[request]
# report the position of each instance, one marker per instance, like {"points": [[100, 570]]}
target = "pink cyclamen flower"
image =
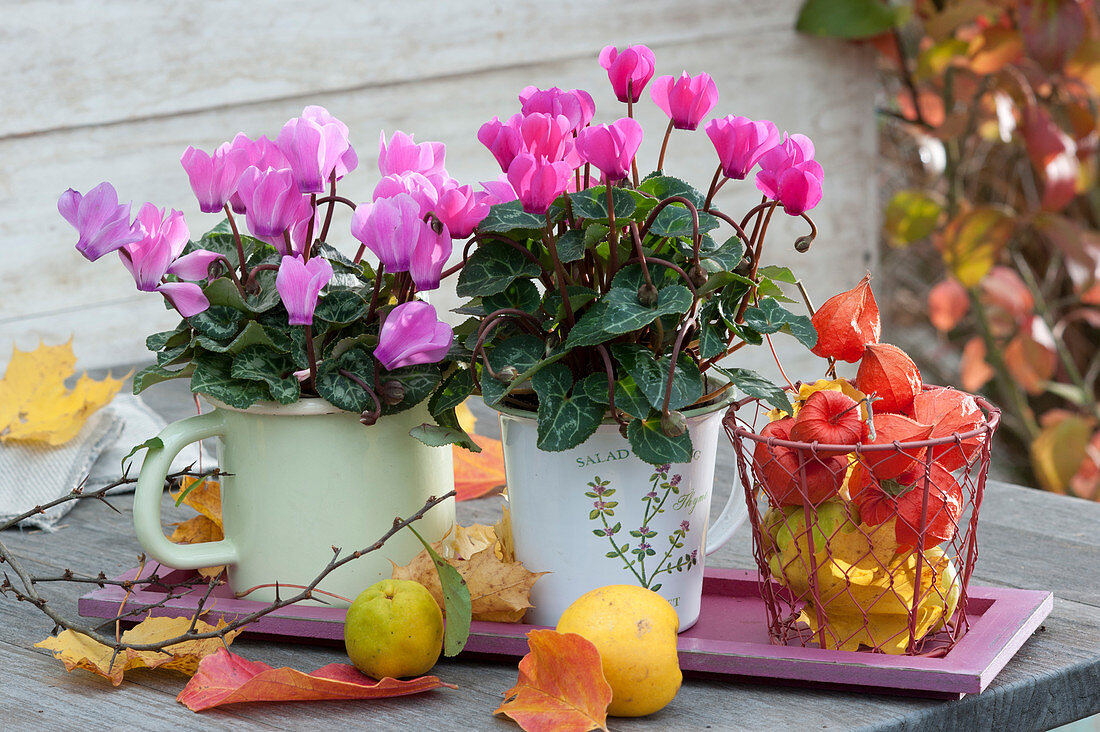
{"points": [[263, 153], [461, 209], [611, 147], [685, 100], [428, 256], [412, 334], [389, 227], [299, 220], [538, 182], [740, 143], [157, 253], [546, 136], [422, 190], [404, 155], [299, 284], [314, 150], [628, 70], [499, 190], [214, 177], [348, 160], [103, 225], [502, 138], [790, 175], [271, 200], [576, 104]]}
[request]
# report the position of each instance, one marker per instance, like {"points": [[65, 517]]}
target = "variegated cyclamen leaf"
{"points": [[214, 376], [564, 420], [491, 268], [341, 391], [651, 375], [651, 444], [521, 352], [257, 363], [418, 381], [341, 307], [625, 314], [755, 385], [628, 397]]}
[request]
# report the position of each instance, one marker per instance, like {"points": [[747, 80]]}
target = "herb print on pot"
{"points": [[604, 301], [604, 510]]}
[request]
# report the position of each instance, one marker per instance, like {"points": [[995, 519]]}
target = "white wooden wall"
{"points": [[116, 90]]}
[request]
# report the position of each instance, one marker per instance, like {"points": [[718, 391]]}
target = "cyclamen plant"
{"points": [[596, 292], [282, 314]]}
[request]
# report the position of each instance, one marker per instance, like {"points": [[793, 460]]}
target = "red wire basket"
{"points": [[879, 559]]}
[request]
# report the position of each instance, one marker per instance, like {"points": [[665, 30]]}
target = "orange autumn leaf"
{"points": [[947, 304], [478, 473], [974, 370], [561, 685], [80, 651], [847, 322], [226, 678], [35, 404]]}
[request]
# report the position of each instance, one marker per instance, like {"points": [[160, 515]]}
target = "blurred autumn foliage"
{"points": [[991, 113]]}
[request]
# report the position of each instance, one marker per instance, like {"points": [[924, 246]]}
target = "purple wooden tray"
{"points": [[730, 639]]}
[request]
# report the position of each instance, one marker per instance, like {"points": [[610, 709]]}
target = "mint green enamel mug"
{"points": [[303, 478]]}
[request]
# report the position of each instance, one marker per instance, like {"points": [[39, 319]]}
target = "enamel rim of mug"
{"points": [[307, 407], [724, 401]]}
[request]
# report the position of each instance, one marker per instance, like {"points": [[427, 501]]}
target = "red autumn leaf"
{"points": [[1054, 155], [1006, 296], [478, 473], [947, 304], [561, 686], [888, 373], [226, 678], [881, 500], [950, 412], [1052, 31], [847, 322], [890, 428], [1078, 244]]}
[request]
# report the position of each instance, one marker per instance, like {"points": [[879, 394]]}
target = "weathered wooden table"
{"points": [[1027, 539]]}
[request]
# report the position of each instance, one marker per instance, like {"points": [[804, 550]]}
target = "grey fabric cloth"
{"points": [[34, 474], [31, 474]]}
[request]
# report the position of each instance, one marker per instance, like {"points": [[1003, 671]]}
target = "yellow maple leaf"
{"points": [[36, 406], [80, 651], [206, 498], [499, 590]]}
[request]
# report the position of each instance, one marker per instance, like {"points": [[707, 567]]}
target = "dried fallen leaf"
{"points": [[206, 498], [499, 589], [80, 651], [197, 530], [36, 406], [478, 473], [226, 678], [561, 685]]}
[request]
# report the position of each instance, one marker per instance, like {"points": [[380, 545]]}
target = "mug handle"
{"points": [[733, 515], [150, 489]]}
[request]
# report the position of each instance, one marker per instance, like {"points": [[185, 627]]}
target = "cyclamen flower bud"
{"points": [[647, 296], [508, 374], [392, 392], [673, 424]]}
